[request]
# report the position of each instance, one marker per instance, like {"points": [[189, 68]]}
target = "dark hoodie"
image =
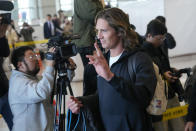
{"points": [[123, 100]]}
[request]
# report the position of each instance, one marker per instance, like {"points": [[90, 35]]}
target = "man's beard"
{"points": [[33, 72]]}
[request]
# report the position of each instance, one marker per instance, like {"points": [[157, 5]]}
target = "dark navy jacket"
{"points": [[123, 100], [47, 31]]}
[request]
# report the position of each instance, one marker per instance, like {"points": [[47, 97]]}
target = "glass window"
{"points": [[66, 5]]}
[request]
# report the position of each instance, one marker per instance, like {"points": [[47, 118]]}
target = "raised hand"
{"points": [[100, 64]]}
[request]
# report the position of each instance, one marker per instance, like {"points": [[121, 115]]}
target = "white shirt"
{"points": [[51, 27], [114, 59]]}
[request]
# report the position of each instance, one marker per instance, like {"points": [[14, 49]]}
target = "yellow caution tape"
{"points": [[172, 112], [175, 112], [29, 43]]}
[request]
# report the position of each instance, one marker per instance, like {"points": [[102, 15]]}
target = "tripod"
{"points": [[60, 90]]}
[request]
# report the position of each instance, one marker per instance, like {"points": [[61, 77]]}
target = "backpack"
{"points": [[158, 103]]}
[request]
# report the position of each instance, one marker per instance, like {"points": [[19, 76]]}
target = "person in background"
{"points": [[122, 96], [49, 28], [174, 84], [5, 110], [13, 26], [29, 98], [169, 42], [83, 25], [27, 32], [12, 36], [68, 27], [57, 23], [61, 17], [155, 34], [141, 39]]}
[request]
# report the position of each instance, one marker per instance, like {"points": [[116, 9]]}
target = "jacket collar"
{"points": [[125, 54]]}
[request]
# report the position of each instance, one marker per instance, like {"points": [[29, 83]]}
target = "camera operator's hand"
{"points": [[74, 104], [100, 64], [50, 62], [3, 28], [168, 75]]}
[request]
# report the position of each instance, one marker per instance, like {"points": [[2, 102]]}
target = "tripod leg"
{"points": [[69, 87], [62, 117]]}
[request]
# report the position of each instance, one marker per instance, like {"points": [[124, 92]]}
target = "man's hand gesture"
{"points": [[100, 64]]}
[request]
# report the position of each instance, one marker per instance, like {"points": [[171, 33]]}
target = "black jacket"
{"points": [[47, 31], [191, 116], [168, 43], [4, 52], [160, 58], [90, 80], [123, 100], [156, 55]]}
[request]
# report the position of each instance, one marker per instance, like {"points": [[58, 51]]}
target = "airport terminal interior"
{"points": [[179, 21]]}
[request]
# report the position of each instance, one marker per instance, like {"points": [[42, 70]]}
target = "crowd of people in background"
{"points": [[54, 26]]}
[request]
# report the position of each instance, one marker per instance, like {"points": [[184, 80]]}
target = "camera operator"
{"points": [[4, 52], [29, 98]]}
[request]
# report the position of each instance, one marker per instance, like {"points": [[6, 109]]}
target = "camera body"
{"points": [[181, 71], [5, 18], [64, 47], [177, 86]]}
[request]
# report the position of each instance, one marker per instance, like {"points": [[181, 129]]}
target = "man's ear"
{"points": [[20, 65], [120, 33]]}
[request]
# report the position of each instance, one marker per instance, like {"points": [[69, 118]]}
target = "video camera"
{"points": [[181, 71], [64, 47], [5, 18], [177, 86]]}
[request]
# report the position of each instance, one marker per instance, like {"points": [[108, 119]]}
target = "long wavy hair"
{"points": [[118, 20]]}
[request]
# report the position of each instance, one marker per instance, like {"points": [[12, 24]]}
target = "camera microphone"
{"points": [[6, 5]]}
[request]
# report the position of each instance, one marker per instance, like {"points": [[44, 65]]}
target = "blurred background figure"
{"points": [[84, 15], [68, 27], [169, 42], [49, 28], [61, 16], [57, 23], [13, 26], [26, 32], [11, 36]]}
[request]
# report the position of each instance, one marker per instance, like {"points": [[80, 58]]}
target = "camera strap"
{"points": [[50, 56]]}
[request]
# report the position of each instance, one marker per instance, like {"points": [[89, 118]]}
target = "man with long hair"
{"points": [[122, 96]]}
